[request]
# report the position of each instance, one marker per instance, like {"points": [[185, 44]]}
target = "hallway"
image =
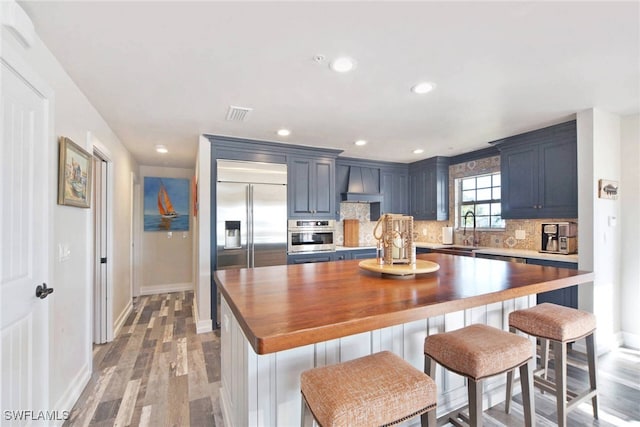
{"points": [[157, 372]]}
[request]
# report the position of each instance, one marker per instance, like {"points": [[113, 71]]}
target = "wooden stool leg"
{"points": [[526, 380], [591, 360], [560, 355], [475, 402], [430, 367], [429, 419], [544, 356], [303, 412], [507, 401]]}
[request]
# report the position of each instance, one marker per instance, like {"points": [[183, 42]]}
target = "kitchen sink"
{"points": [[462, 248], [456, 250]]}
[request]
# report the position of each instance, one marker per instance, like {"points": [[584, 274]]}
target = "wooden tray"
{"points": [[399, 270]]}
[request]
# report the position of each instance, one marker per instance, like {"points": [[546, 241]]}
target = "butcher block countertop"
{"points": [[288, 306]]}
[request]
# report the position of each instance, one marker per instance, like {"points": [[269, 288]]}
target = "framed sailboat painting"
{"points": [[166, 204]]}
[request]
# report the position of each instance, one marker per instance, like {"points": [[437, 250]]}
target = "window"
{"points": [[479, 195]]}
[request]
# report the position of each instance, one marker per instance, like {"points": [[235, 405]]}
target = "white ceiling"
{"points": [[166, 72]]}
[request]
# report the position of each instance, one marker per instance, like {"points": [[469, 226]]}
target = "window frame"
{"points": [[460, 204]]}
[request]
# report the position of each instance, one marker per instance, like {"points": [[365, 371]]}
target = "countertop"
{"points": [[288, 306], [518, 253]]}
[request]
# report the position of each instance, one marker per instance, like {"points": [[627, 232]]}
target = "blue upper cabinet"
{"points": [[429, 189], [311, 187], [539, 173], [394, 186]]}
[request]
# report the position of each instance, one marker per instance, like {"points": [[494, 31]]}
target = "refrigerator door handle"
{"points": [[247, 196], [250, 245]]}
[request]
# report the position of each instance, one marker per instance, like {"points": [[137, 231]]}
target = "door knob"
{"points": [[42, 291]]}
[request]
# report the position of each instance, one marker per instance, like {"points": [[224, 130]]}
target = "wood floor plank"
{"points": [[145, 417], [168, 333], [178, 411], [199, 385], [157, 389], [86, 406], [125, 412], [182, 363], [201, 412]]}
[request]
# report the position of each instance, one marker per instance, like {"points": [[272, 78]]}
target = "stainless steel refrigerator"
{"points": [[251, 214]]}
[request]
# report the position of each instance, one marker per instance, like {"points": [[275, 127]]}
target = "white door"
{"points": [[25, 179]]}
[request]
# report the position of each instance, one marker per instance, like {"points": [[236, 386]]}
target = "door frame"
{"points": [[99, 150], [136, 215]]}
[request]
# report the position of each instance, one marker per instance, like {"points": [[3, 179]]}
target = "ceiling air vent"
{"points": [[238, 114]]}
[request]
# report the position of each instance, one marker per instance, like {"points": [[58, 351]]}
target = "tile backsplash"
{"points": [[431, 231], [358, 211]]}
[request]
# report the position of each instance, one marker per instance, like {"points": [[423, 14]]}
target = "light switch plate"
{"points": [[521, 234], [64, 252]]}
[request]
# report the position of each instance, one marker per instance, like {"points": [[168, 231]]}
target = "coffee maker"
{"points": [[559, 238]]}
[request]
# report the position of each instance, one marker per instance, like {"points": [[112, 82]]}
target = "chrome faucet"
{"points": [[464, 233]]}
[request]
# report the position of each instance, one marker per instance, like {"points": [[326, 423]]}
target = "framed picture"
{"points": [[74, 175], [608, 189], [166, 204]]}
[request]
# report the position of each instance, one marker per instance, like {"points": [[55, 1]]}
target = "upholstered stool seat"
{"points": [[379, 389], [553, 322], [478, 352], [560, 325]]}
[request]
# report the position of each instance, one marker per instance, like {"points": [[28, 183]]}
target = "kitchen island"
{"points": [[279, 321]]}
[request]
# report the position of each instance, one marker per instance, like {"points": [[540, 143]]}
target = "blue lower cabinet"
{"points": [[355, 254], [363, 254], [309, 258], [342, 255], [566, 296], [423, 251]]}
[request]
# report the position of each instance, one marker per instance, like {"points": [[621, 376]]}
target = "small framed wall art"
{"points": [[607, 189], [74, 175]]}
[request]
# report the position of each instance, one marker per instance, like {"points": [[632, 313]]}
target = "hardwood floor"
{"points": [[159, 372]]}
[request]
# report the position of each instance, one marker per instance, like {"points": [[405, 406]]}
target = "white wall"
{"points": [[167, 257], [599, 232], [630, 226], [202, 268], [70, 319]]}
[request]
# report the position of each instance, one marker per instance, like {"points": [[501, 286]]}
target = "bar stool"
{"points": [[379, 389], [562, 326], [478, 352]]}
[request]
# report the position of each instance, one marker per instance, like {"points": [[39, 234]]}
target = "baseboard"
{"points": [[166, 289], [73, 392], [122, 318], [202, 325]]}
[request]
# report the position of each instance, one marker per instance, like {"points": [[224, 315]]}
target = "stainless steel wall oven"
{"points": [[311, 236]]}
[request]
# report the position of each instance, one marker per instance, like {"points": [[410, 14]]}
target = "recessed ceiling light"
{"points": [[284, 132], [342, 64], [418, 151], [161, 149], [423, 87], [361, 142]]}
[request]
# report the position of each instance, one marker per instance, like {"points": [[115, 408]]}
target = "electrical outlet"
{"points": [[521, 234], [424, 231]]}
